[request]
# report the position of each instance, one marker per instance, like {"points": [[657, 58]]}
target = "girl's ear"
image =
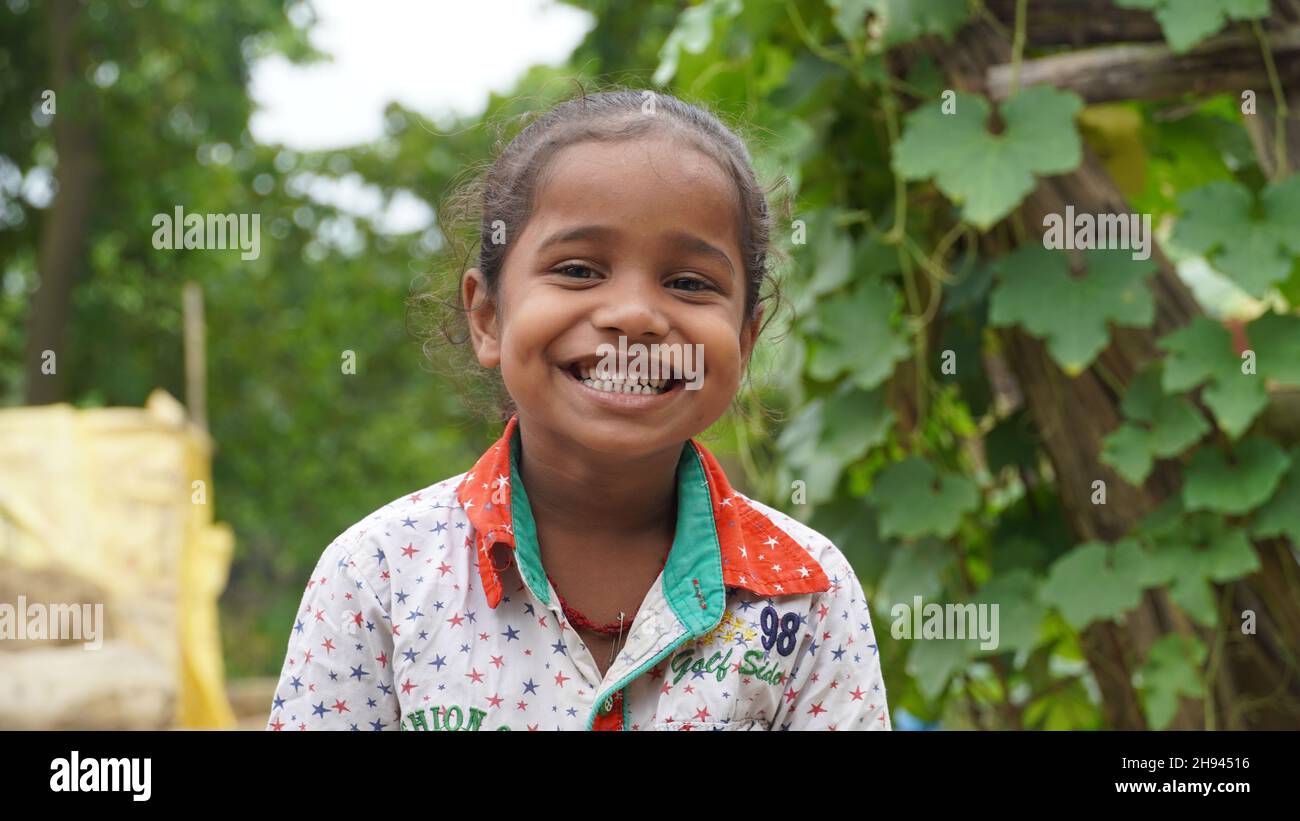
{"points": [[749, 335], [484, 331]]}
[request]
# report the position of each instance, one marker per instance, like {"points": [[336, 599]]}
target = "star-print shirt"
{"points": [[435, 613]]}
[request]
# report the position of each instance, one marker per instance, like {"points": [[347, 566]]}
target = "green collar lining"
{"points": [[692, 577]]}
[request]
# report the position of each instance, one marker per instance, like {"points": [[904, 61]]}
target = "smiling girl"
{"points": [[595, 569]]}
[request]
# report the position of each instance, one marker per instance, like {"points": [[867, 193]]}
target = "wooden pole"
{"points": [[196, 374]]}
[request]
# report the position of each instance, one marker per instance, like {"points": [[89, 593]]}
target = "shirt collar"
{"points": [[721, 540]]}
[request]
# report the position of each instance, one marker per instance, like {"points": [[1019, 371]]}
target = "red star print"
{"points": [[856, 693], [307, 660], [407, 687], [817, 708], [474, 675], [456, 619], [495, 700], [791, 694], [277, 725], [560, 678], [382, 658], [328, 644], [341, 706], [410, 550], [498, 660], [702, 714], [444, 569]]}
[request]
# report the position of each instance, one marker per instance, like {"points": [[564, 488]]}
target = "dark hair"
{"points": [[502, 197]]}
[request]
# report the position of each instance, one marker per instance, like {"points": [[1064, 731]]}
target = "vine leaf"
{"points": [[1273, 339], [857, 336], [1281, 514], [1037, 292], [1189, 550], [1201, 352], [1020, 610], [989, 174], [1253, 249], [1096, 581], [1159, 426], [1187, 22], [692, 34], [1172, 669], [830, 433], [899, 21], [915, 500], [1235, 483]]}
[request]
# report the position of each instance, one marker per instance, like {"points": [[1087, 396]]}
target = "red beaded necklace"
{"points": [[579, 620]]}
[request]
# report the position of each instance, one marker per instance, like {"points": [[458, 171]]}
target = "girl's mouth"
{"points": [[589, 377]]}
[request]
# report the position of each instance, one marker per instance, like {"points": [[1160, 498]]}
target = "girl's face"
{"points": [[638, 239]]}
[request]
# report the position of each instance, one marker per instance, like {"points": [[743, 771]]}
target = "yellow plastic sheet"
{"points": [[115, 503]]}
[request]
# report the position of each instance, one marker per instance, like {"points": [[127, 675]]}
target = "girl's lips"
{"points": [[623, 401]]}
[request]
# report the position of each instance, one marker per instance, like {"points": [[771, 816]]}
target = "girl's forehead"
{"points": [[654, 185]]}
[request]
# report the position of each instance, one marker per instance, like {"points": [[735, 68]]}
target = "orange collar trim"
{"points": [[757, 555]]}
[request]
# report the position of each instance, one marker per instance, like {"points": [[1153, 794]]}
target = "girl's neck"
{"points": [[602, 493]]}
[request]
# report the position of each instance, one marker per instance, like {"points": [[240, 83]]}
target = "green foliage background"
{"points": [[934, 483]]}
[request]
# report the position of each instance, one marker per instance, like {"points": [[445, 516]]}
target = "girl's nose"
{"points": [[631, 309]]}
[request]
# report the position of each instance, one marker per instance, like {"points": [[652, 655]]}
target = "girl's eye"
{"points": [[691, 284], [568, 269]]}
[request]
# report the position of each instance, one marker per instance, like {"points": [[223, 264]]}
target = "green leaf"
{"points": [[989, 174], [915, 570], [1253, 249], [1036, 291], [932, 663], [1160, 426], [858, 337], [899, 21], [1280, 516], [692, 34], [829, 433], [1187, 22], [1095, 581], [1235, 483], [1201, 352], [1020, 612], [1190, 550], [1172, 669], [850, 17], [1198, 351], [916, 500], [1275, 339]]}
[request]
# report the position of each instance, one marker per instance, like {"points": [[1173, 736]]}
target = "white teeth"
{"points": [[649, 386]]}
